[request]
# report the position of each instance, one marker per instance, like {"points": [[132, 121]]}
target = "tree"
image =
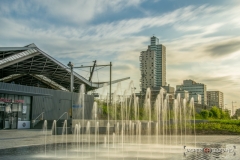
{"points": [[225, 114], [216, 112], [204, 114], [210, 114]]}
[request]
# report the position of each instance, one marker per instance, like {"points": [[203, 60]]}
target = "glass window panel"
{"points": [[14, 107], [26, 100], [26, 112], [10, 97], [1, 107], [20, 107]]}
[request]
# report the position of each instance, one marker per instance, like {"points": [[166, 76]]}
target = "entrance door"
{"points": [[7, 116], [14, 116]]}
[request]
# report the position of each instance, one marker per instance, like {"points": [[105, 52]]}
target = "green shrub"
{"points": [[227, 126], [225, 114], [198, 116], [216, 112], [204, 114], [210, 114]]}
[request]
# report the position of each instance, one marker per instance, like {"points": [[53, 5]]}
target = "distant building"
{"points": [[194, 89], [153, 65], [215, 98], [197, 98], [183, 94], [168, 90]]}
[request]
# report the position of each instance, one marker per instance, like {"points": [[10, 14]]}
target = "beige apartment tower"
{"points": [[153, 65], [215, 98]]}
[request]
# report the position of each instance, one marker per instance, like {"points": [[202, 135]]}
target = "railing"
{"points": [[63, 115], [34, 121]]}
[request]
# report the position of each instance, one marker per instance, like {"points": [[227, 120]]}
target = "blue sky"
{"points": [[202, 37]]}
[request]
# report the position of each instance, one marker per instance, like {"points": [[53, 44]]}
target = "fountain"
{"points": [[134, 135], [45, 135], [157, 130]]}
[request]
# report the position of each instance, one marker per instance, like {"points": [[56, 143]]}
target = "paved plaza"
{"points": [[18, 138], [21, 138]]}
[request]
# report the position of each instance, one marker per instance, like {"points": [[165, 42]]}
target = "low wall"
{"points": [[102, 124]]}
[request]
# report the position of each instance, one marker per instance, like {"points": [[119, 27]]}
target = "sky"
{"points": [[202, 38]]}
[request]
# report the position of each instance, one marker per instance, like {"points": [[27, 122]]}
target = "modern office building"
{"points": [[183, 94], [167, 90], [215, 98], [194, 89], [153, 65]]}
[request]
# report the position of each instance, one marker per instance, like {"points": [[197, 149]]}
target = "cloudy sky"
{"points": [[202, 37]]}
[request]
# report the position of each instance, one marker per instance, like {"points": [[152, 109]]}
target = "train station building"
{"points": [[35, 86]]}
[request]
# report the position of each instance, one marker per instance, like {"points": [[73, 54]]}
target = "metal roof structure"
{"points": [[31, 66]]}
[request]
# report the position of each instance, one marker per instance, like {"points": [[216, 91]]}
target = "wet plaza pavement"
{"points": [[18, 142]]}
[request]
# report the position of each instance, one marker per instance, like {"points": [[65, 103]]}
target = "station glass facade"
{"points": [[15, 111]]}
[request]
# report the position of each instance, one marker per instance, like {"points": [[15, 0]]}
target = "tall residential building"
{"points": [[194, 90], [153, 65], [215, 98]]}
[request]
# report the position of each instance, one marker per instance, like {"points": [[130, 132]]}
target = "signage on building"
{"points": [[10, 100], [5, 100], [24, 110], [19, 101], [76, 106], [23, 124]]}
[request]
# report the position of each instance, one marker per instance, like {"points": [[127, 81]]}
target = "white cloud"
{"points": [[111, 34], [78, 12], [120, 42], [123, 28]]}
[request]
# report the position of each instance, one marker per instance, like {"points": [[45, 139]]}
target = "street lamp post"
{"points": [[91, 71], [110, 85], [71, 76], [225, 106], [233, 108], [71, 84]]}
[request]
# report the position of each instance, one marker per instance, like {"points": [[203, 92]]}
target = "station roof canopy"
{"points": [[31, 66]]}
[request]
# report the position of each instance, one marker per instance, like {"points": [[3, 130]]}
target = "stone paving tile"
{"points": [[17, 138]]}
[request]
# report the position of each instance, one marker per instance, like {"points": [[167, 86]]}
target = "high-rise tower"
{"points": [[153, 65]]}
